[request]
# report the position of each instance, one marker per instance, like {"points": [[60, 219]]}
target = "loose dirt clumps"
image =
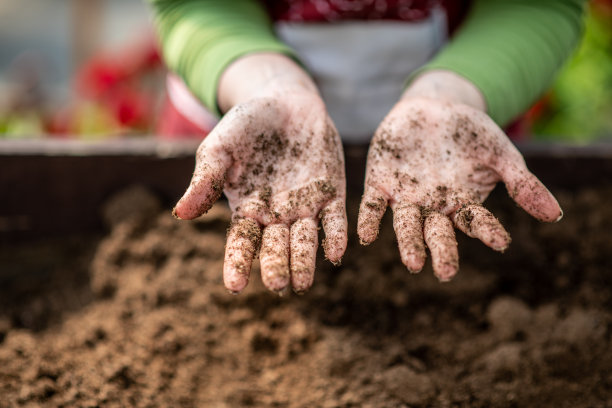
{"points": [[140, 317]]}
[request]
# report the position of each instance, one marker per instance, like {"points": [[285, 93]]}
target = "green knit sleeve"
{"points": [[511, 49], [200, 38]]}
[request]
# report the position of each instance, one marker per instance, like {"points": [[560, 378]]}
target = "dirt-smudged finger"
{"points": [[440, 239], [477, 222], [205, 188], [335, 225], [274, 257], [408, 225], [371, 210], [304, 242], [529, 192], [243, 241]]}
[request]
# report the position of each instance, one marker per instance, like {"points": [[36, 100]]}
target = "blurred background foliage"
{"points": [[95, 72], [578, 107]]}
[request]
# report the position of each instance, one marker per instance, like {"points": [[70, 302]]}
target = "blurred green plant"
{"points": [[578, 108], [20, 126]]}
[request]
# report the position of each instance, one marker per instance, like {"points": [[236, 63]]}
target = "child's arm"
{"points": [[200, 38], [511, 49], [278, 158], [434, 160], [275, 153], [437, 155]]}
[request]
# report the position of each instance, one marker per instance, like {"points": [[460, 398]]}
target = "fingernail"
{"points": [[505, 238], [282, 292], [175, 215], [447, 276], [336, 263], [560, 216], [299, 292], [364, 243]]}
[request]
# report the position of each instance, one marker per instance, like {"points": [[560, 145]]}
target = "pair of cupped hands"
{"points": [[278, 158]]}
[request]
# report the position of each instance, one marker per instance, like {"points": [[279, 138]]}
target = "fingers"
{"points": [[477, 222], [274, 257], [205, 188], [242, 242], [304, 239], [279, 246], [529, 193], [333, 219], [440, 239], [371, 211], [409, 231]]}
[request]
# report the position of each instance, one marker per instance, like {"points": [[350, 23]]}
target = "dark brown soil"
{"points": [[140, 318]]}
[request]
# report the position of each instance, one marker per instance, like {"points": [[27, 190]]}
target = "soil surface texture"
{"points": [[140, 317]]}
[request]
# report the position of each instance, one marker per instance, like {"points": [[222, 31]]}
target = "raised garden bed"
{"points": [[133, 312]]}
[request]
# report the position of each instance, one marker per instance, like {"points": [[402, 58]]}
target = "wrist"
{"points": [[447, 86], [262, 75]]}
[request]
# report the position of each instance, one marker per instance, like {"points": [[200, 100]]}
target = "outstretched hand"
{"points": [[279, 161], [434, 162]]}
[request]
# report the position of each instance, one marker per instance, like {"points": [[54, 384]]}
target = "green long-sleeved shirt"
{"points": [[510, 49]]}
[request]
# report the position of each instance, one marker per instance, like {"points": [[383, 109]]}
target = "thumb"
{"points": [[206, 185], [529, 192]]}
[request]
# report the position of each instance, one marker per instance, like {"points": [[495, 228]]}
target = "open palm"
{"points": [[435, 163], [279, 161]]}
